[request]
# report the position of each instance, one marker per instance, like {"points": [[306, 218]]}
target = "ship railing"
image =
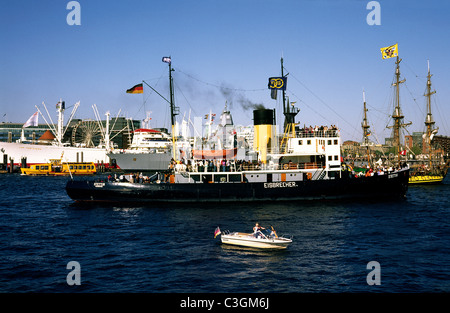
{"points": [[285, 166], [306, 133], [254, 167], [300, 166]]}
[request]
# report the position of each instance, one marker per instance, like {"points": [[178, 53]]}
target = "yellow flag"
{"points": [[389, 52]]}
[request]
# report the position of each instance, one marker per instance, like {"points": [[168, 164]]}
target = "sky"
{"points": [[224, 52]]}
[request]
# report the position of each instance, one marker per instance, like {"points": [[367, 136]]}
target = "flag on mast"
{"points": [[277, 83], [167, 59], [139, 88], [389, 52], [217, 232], [32, 121]]}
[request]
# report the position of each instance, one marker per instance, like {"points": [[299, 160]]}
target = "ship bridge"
{"points": [[312, 149]]}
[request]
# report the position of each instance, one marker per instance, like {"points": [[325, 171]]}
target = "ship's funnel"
{"points": [[264, 132]]}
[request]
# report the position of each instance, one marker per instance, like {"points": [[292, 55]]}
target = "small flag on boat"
{"points": [[217, 232], [389, 52], [167, 59], [61, 105], [403, 152], [32, 121], [139, 88]]}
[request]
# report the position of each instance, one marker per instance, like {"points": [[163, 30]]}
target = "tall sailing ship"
{"points": [[306, 166], [434, 169]]}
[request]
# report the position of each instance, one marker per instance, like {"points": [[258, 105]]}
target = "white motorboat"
{"points": [[261, 239]]}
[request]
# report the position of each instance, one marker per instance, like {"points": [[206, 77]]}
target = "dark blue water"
{"points": [[171, 249]]}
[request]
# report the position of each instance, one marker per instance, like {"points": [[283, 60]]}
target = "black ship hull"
{"points": [[393, 185]]}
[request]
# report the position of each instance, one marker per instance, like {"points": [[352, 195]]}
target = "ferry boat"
{"points": [[58, 168], [305, 166], [417, 178]]}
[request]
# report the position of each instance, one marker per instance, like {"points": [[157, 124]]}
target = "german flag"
{"points": [[136, 89]]}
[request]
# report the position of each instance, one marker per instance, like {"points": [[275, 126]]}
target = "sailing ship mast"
{"points": [[429, 122], [436, 170], [397, 116], [366, 132]]}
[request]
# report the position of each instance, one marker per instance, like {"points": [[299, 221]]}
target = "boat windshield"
{"points": [[266, 233]]}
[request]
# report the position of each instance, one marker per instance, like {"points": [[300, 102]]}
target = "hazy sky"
{"points": [[225, 51]]}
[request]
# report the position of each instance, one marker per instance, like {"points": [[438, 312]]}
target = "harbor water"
{"points": [[171, 249]]}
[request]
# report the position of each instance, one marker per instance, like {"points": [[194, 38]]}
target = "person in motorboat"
{"points": [[257, 228], [273, 233], [257, 231]]}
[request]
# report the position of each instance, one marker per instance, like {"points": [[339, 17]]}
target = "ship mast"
{"points": [[289, 116], [365, 126], [397, 116], [429, 122], [173, 109], [60, 107]]}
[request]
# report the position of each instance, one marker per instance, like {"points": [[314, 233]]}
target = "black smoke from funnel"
{"points": [[248, 104], [231, 95]]}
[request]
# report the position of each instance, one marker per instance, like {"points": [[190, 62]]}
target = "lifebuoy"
{"points": [[285, 166], [346, 167]]}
